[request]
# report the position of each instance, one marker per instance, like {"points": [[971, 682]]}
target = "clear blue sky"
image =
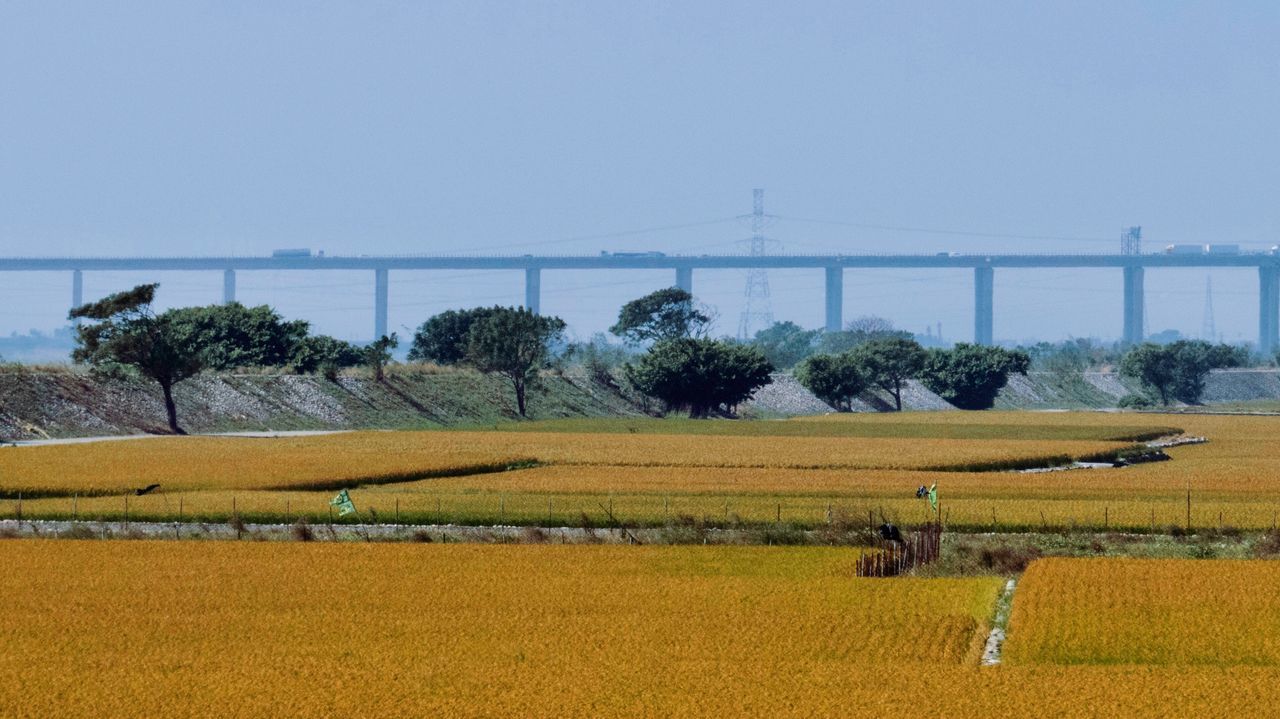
{"points": [[239, 127]]}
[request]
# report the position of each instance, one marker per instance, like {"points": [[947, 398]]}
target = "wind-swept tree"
{"points": [[128, 338], [663, 315]]}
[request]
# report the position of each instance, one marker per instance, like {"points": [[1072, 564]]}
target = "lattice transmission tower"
{"points": [[1131, 241], [758, 313], [1208, 331]]}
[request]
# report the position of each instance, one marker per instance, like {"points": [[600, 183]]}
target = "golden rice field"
{"points": [[661, 473], [380, 457], [195, 629], [1145, 611]]}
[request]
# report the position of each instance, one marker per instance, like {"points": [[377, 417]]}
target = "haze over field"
{"points": [[238, 128]]}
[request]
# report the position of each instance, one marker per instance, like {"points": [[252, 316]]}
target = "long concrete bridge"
{"points": [[1132, 267]]}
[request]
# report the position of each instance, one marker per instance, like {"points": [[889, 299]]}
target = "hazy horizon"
{"points": [[239, 128]]}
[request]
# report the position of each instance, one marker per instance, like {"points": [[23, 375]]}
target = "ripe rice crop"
{"points": [[655, 479], [122, 629], [176, 629], [341, 460], [244, 463], [1131, 611]]}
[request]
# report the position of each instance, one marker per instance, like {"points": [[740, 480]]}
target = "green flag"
{"points": [[933, 496], [343, 503]]}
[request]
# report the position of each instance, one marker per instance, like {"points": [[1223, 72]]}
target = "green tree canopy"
{"points": [[700, 374], [785, 343], [970, 376], [322, 353], [1177, 371], [127, 338], [662, 315], [889, 362], [443, 338], [233, 336], [834, 379], [515, 343]]}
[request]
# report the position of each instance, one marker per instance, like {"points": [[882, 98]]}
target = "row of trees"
{"points": [[971, 376], [121, 335], [968, 376], [682, 366], [786, 344]]}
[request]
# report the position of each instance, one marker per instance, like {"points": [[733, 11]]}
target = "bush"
{"points": [[1135, 401], [322, 353]]}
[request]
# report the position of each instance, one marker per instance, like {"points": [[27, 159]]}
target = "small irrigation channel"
{"points": [[1153, 451], [1000, 626]]}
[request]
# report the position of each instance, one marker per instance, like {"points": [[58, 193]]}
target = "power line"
{"points": [[937, 231], [610, 235]]}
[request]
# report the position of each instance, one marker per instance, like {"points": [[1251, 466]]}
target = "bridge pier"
{"points": [[1134, 311], [379, 303], [684, 279], [983, 305], [835, 299], [77, 289], [1268, 309], [228, 286], [533, 289]]}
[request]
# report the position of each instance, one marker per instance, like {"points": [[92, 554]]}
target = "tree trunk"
{"points": [[170, 408], [897, 394], [518, 383]]}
